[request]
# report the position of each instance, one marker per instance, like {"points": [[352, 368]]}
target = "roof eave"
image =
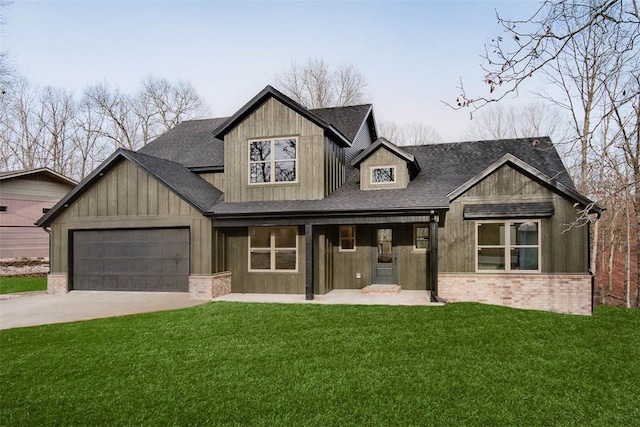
{"points": [[263, 95], [531, 171]]}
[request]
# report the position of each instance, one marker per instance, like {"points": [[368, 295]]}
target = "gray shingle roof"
{"points": [[347, 120], [445, 167], [183, 182], [190, 143], [509, 210]]}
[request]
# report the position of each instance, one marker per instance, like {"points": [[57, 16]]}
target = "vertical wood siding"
{"points": [[383, 157], [127, 197], [562, 251], [261, 282], [334, 174], [215, 179], [274, 119]]}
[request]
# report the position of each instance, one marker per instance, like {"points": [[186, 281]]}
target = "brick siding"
{"points": [[560, 293], [209, 287], [57, 284]]}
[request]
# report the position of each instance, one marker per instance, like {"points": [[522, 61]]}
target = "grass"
{"points": [[295, 365], [11, 285]]}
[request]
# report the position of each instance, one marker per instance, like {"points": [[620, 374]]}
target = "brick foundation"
{"points": [[57, 284], [209, 286], [560, 293]]}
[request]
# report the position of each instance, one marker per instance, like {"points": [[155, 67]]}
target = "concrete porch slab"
{"points": [[338, 296]]}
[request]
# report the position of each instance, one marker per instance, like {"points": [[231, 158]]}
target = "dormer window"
{"points": [[383, 174], [272, 160]]}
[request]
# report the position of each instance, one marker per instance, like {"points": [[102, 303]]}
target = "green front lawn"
{"points": [[293, 365], [11, 285]]}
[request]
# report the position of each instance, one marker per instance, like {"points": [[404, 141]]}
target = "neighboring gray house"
{"points": [[24, 196], [282, 199]]}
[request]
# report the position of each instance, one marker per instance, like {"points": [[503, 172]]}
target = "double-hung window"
{"points": [[420, 237], [347, 238], [273, 249], [273, 160], [508, 246]]}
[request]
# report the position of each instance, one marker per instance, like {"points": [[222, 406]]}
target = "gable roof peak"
{"points": [[271, 92]]}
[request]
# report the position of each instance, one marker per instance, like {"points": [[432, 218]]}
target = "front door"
{"points": [[383, 257]]}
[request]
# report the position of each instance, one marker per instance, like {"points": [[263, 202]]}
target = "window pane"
{"points": [[260, 172], [260, 150], [490, 233], [383, 175], [285, 171], [285, 237], [259, 237], [524, 258], [524, 233], [490, 259], [346, 232], [285, 149], [285, 260], [422, 237], [260, 260]]}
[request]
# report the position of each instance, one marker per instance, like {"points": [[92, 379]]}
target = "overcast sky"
{"points": [[412, 53]]}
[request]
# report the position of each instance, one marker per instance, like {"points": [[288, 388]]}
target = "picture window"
{"points": [[508, 246]]}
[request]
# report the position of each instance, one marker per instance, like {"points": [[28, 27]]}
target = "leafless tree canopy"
{"points": [[409, 134], [315, 85], [51, 127], [589, 54], [526, 46]]}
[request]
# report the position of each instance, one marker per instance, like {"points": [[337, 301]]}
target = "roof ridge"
{"points": [[343, 106]]}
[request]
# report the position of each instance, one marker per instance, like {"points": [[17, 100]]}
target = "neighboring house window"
{"points": [[3, 208], [272, 160], [347, 238], [508, 245], [383, 174], [273, 249], [420, 237]]}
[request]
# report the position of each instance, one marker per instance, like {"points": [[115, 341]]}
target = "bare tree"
{"points": [[526, 46], [315, 85], [409, 134], [7, 71], [519, 121], [161, 105]]}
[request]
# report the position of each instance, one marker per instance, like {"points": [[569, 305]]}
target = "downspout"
{"points": [[49, 233], [433, 255]]}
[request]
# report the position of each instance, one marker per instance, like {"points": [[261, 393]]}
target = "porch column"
{"points": [[433, 254], [308, 256]]}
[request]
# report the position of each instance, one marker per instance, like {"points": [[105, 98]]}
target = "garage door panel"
{"points": [[131, 260]]}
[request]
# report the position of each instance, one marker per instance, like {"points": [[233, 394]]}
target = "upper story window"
{"points": [[3, 208], [508, 246], [273, 160], [383, 174]]}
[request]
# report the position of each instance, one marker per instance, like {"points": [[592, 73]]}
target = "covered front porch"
{"points": [[317, 254], [337, 296]]}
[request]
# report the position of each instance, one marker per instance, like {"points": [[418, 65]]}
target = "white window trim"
{"points": [[507, 246], [272, 251], [272, 161], [414, 248], [395, 174], [354, 238]]}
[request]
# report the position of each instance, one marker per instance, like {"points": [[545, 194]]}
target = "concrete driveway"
{"points": [[44, 309]]}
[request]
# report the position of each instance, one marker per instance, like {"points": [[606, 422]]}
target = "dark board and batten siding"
{"points": [[245, 281], [334, 175], [127, 197], [274, 119], [563, 250]]}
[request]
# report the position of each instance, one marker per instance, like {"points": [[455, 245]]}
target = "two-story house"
{"points": [[282, 199]]}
